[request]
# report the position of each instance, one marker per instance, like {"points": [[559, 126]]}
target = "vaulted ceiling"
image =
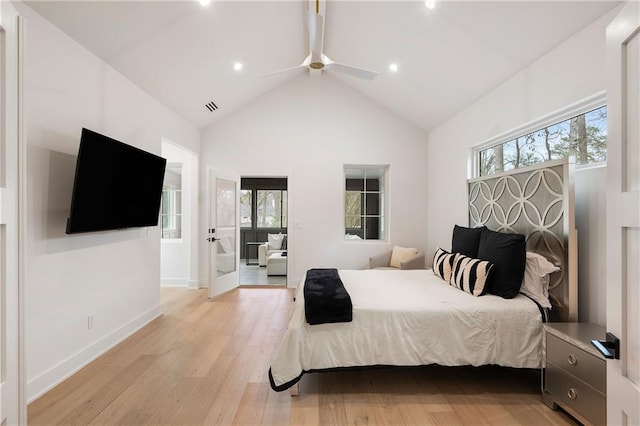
{"points": [[183, 54]]}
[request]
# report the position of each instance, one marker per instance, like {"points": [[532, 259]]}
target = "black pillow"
{"points": [[466, 240], [284, 243], [508, 253]]}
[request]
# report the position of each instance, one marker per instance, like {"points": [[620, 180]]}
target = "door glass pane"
{"points": [[631, 149], [225, 227]]}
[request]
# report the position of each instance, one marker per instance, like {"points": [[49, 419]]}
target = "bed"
{"points": [[413, 317]]}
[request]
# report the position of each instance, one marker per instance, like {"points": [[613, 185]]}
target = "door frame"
{"points": [[286, 176]]}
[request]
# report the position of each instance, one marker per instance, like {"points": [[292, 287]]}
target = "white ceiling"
{"points": [[183, 54]]}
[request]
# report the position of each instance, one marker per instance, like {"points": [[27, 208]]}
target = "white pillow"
{"points": [[536, 278], [400, 254], [275, 241]]}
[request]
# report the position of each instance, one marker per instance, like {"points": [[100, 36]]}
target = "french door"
{"points": [[12, 371], [623, 214], [223, 233]]}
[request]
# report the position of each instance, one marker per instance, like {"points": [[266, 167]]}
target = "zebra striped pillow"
{"points": [[470, 275], [442, 262]]}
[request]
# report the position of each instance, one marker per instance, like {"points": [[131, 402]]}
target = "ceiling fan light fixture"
{"points": [[316, 65], [431, 4]]}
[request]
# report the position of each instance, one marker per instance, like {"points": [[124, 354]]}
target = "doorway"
{"points": [[178, 244], [264, 245]]}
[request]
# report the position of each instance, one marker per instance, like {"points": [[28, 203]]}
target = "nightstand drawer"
{"points": [[583, 365], [573, 394]]}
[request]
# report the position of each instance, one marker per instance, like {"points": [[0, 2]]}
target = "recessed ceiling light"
{"points": [[237, 66], [431, 4], [393, 67], [205, 2]]}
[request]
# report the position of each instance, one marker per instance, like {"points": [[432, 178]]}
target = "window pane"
{"points": [[245, 208], [372, 204], [583, 136], [355, 184], [354, 222], [268, 208], [285, 209], [372, 228], [353, 203], [372, 185]]}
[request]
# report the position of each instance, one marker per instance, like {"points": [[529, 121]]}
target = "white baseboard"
{"points": [[44, 382], [193, 284], [174, 282]]}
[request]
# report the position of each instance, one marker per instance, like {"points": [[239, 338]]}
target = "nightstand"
{"points": [[575, 377]]}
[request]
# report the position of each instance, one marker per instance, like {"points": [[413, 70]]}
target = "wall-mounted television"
{"points": [[116, 186]]}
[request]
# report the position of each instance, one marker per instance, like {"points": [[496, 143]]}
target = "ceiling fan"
{"points": [[317, 60]]}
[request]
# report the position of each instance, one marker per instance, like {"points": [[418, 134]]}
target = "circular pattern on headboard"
{"points": [[533, 201]]}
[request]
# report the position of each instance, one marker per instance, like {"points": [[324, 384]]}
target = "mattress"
{"points": [[409, 318]]}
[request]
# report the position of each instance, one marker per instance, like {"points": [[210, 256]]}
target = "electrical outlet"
{"points": [[90, 320]]}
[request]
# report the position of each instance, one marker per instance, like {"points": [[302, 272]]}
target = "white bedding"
{"points": [[411, 317]]}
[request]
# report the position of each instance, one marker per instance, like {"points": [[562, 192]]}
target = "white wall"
{"points": [[573, 71], [178, 257], [307, 130], [113, 275]]}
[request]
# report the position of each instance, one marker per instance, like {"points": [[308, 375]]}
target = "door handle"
{"points": [[609, 348], [212, 239]]}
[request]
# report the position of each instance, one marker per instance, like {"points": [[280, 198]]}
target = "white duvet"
{"points": [[411, 317]]}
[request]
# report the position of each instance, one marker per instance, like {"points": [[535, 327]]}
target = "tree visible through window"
{"points": [[245, 208], [583, 136], [271, 208]]}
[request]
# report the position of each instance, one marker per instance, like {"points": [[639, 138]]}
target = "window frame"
{"points": [[586, 105], [384, 204]]}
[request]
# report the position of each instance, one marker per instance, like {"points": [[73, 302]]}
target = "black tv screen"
{"points": [[116, 186]]}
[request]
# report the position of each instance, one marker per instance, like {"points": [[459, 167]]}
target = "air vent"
{"points": [[211, 106]]}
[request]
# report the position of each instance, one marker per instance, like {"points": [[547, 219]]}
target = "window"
{"points": [[271, 208], [365, 202], [583, 136], [245, 208], [171, 213]]}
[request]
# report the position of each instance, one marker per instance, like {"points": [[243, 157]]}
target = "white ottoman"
{"points": [[277, 264]]}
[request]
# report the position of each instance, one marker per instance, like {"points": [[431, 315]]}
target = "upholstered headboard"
{"points": [[537, 201]]}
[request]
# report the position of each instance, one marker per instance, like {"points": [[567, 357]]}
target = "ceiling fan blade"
{"points": [[304, 64], [316, 27], [348, 69]]}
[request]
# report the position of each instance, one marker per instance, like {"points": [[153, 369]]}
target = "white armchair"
{"points": [[276, 244], [398, 258]]}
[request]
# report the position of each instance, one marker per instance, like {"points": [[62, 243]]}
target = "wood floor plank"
{"points": [[205, 362]]}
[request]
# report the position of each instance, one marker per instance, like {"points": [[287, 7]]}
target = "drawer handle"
{"points": [[572, 359], [572, 393]]}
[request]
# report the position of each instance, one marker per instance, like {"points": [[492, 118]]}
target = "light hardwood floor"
{"points": [[205, 362]]}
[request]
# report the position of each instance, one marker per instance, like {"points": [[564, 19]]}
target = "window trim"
{"points": [[585, 105]]}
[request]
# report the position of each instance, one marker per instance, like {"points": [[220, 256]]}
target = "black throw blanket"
{"points": [[325, 298]]}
